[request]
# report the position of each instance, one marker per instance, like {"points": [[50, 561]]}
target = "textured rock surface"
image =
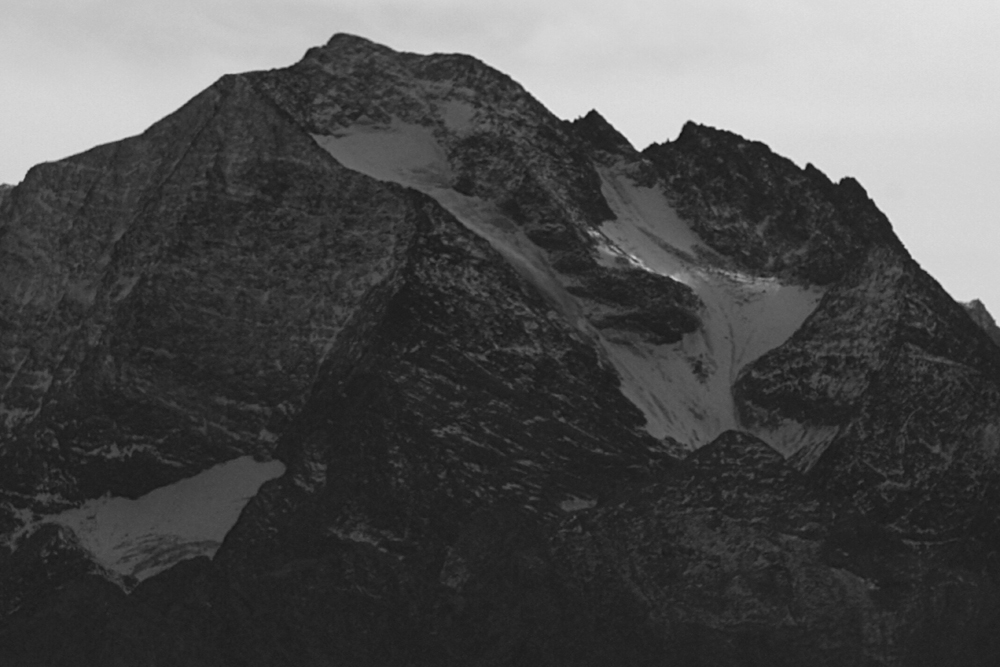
{"points": [[541, 398], [982, 317], [762, 211]]}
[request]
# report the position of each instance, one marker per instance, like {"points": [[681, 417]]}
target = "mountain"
{"points": [[372, 360]]}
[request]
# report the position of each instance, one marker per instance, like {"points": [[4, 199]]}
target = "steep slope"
{"points": [[162, 295], [170, 299], [737, 559]]}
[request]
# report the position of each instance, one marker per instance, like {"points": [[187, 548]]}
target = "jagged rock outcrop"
{"points": [[977, 311], [538, 397], [762, 211]]}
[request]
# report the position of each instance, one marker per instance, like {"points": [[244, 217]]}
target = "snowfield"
{"points": [[683, 389], [139, 538]]}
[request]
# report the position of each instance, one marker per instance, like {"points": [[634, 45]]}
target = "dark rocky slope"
{"points": [[977, 311], [472, 477]]}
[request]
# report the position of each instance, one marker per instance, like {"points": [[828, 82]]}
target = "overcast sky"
{"points": [[902, 95]]}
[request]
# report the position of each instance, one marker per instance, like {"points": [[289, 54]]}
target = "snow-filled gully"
{"points": [[685, 389]]}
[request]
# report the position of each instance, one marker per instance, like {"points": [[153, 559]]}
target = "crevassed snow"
{"points": [[685, 389], [142, 537]]}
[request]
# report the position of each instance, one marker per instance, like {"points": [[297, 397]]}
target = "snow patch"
{"points": [[400, 152], [358, 535], [577, 504], [643, 215], [410, 155], [25, 520], [790, 437], [142, 537]]}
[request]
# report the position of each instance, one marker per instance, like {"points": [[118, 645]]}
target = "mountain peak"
{"points": [[347, 38], [343, 41], [538, 398], [594, 129]]}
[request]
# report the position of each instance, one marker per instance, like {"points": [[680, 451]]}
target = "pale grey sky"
{"points": [[901, 94]]}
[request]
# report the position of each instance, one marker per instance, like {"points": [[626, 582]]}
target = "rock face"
{"points": [[977, 311], [537, 397]]}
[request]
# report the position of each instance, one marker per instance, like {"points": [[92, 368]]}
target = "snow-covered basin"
{"points": [[189, 518]]}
